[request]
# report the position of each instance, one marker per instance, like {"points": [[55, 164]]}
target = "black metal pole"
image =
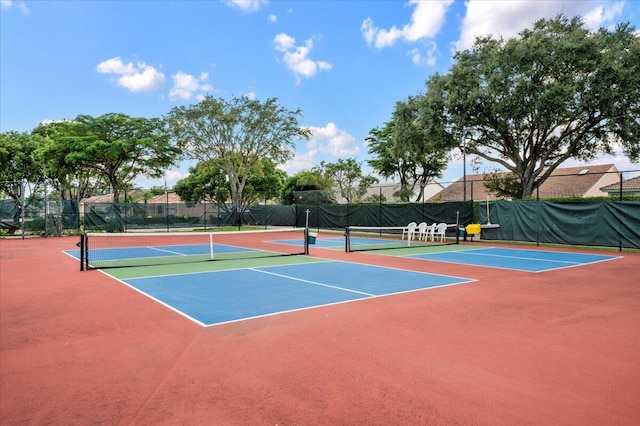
{"points": [[166, 212], [464, 164]]}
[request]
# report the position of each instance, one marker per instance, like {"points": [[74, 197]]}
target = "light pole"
{"points": [[464, 164]]}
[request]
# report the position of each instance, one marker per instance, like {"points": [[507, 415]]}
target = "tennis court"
{"points": [[216, 297], [333, 337], [247, 287], [514, 259]]}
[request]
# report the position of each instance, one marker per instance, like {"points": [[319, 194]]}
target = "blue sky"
{"points": [[343, 63]]}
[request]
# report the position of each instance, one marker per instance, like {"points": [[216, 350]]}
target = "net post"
{"points": [[86, 252], [347, 240], [211, 245], [81, 245], [306, 240], [457, 227]]}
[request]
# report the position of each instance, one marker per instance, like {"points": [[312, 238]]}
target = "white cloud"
{"points": [[603, 14], [185, 86], [284, 42], [426, 58], [333, 141], [297, 57], [246, 5], [426, 21], [508, 18], [138, 77], [272, 18], [115, 66], [301, 162], [20, 5], [325, 143]]}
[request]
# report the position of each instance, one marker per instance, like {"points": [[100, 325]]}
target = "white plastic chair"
{"points": [[431, 232], [410, 231], [421, 231], [440, 231]]}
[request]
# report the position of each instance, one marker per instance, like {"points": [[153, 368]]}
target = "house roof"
{"points": [[632, 184], [582, 181], [137, 195], [172, 198], [106, 198]]}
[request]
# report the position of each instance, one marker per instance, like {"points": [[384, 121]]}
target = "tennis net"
{"points": [[113, 250], [362, 238]]}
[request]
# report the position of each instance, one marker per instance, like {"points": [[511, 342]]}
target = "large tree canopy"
{"points": [[208, 182], [236, 135], [116, 147], [559, 91], [306, 187], [71, 179], [19, 162]]}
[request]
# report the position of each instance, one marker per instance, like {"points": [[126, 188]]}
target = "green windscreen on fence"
{"points": [[339, 216], [10, 214], [594, 223], [120, 217], [591, 222]]}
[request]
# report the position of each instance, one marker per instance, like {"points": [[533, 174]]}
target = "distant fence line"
{"points": [[611, 221]]}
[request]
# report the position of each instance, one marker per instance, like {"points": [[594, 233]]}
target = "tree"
{"points": [[19, 163], [264, 182], [208, 182], [115, 146], [205, 183], [236, 135], [529, 104], [390, 159], [347, 179], [71, 180], [401, 148], [306, 187]]}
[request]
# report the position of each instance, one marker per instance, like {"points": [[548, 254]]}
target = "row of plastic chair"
{"points": [[424, 232]]}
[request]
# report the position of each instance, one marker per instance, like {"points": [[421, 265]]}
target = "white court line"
{"points": [[166, 305], [313, 282], [565, 263], [163, 250], [537, 259]]}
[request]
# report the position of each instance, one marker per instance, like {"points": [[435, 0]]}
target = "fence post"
{"points": [[380, 206], [23, 184], [204, 203], [538, 214], [46, 212], [621, 179]]}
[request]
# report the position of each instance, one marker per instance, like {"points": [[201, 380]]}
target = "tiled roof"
{"points": [[162, 198], [137, 196], [106, 198], [629, 184], [563, 182]]}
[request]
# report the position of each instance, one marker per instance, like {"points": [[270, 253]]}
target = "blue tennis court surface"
{"points": [[338, 242], [516, 259], [216, 297]]}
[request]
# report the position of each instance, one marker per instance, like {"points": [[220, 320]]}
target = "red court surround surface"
{"points": [[559, 347]]}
